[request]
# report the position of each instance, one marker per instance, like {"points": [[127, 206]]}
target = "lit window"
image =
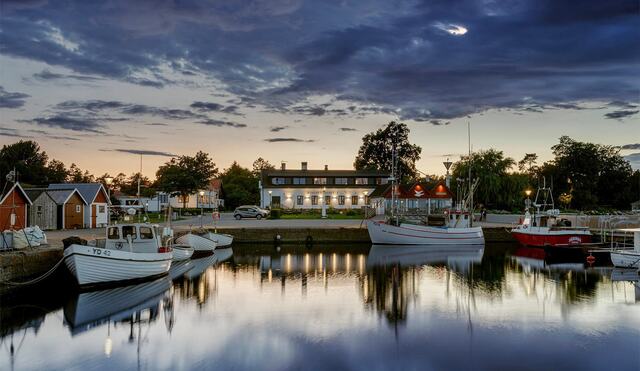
{"points": [[354, 200], [314, 200], [362, 181], [277, 181], [341, 199], [342, 181], [299, 200], [319, 180], [327, 200]]}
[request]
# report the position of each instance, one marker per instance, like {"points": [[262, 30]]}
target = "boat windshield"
{"points": [[128, 230], [113, 233], [146, 233]]}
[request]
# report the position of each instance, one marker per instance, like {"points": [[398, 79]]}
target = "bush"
{"points": [[275, 214]]}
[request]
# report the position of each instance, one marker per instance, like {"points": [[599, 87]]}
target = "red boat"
{"points": [[546, 228]]}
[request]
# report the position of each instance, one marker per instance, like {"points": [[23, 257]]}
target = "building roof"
{"points": [[323, 173], [33, 193], [88, 191], [61, 196], [10, 190], [415, 190]]}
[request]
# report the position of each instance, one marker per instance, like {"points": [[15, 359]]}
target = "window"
{"points": [[362, 181], [277, 180], [163, 198], [299, 200], [146, 233], [39, 209], [184, 199], [342, 181], [113, 233], [341, 200], [299, 180], [275, 201], [129, 230], [354, 200], [319, 180], [314, 200], [382, 180], [78, 208], [101, 209], [327, 200]]}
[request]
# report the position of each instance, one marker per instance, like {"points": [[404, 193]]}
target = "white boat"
{"points": [[182, 252], [130, 252], [628, 258], [457, 233], [221, 239], [91, 309], [200, 244]]}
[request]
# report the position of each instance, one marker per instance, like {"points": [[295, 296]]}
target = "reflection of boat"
{"points": [[178, 269], [221, 239], [531, 257], [90, 309], [456, 256], [627, 275], [182, 252], [130, 252], [200, 244], [223, 255], [628, 258], [200, 265]]}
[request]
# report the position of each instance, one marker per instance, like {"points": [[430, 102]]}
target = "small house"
{"points": [[416, 197], [96, 210], [56, 209], [14, 205]]}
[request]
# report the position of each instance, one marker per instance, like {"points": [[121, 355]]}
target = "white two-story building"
{"points": [[311, 189]]}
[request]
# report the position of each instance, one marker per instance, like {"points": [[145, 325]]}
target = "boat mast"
{"points": [[469, 166]]}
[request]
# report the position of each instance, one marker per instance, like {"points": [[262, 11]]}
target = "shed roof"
{"points": [[88, 191], [18, 187]]}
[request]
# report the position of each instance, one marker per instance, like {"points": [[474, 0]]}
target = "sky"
{"points": [[98, 83]]}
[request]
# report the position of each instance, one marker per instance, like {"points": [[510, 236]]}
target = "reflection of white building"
{"points": [[311, 189]]}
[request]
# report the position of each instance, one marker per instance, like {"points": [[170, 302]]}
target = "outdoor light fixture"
{"points": [[528, 192], [108, 180]]}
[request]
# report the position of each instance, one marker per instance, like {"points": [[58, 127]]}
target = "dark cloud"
{"points": [[9, 132], [621, 114], [630, 146], [222, 123], [49, 135], [348, 129], [156, 124], [11, 100], [96, 106], [275, 129], [439, 122], [82, 124], [621, 104], [214, 107], [277, 140], [634, 160], [141, 152], [46, 75], [402, 58]]}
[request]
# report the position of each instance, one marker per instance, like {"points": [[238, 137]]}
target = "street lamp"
{"points": [[108, 180], [527, 202], [201, 207], [270, 200]]}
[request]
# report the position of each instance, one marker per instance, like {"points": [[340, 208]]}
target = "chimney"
{"points": [[304, 166], [326, 167], [283, 166]]}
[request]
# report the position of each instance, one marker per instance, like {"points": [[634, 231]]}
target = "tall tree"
{"points": [[186, 175], [129, 186], [491, 167], [528, 163], [240, 186], [376, 151], [28, 160], [76, 175], [56, 172], [261, 164]]}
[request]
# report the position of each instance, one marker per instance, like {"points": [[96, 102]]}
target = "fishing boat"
{"points": [[626, 258], [182, 252], [129, 252], [200, 244], [545, 227]]}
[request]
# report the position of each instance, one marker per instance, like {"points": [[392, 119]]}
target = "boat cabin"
{"points": [[457, 219], [141, 238]]}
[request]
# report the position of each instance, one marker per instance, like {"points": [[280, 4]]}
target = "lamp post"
{"points": [[324, 204], [270, 200], [108, 180], [527, 202], [201, 207]]}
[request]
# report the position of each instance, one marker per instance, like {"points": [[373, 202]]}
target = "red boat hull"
{"points": [[542, 240]]}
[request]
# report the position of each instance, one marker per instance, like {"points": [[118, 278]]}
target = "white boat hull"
{"points": [[182, 252], [409, 234], [199, 243], [94, 265], [220, 239], [626, 259]]}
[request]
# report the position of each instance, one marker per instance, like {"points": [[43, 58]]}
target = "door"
{"points": [[93, 216]]}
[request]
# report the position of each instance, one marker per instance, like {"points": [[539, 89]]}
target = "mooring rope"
{"points": [[35, 280]]}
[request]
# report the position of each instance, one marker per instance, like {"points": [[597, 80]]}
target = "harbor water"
{"points": [[501, 307]]}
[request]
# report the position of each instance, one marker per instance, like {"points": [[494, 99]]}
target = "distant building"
{"points": [[310, 189], [160, 201], [56, 209], [412, 197], [97, 207], [14, 208]]}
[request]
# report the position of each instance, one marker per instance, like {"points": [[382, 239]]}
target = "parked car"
{"points": [[250, 212]]}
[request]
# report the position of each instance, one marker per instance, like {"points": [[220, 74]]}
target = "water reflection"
{"points": [[386, 307]]}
